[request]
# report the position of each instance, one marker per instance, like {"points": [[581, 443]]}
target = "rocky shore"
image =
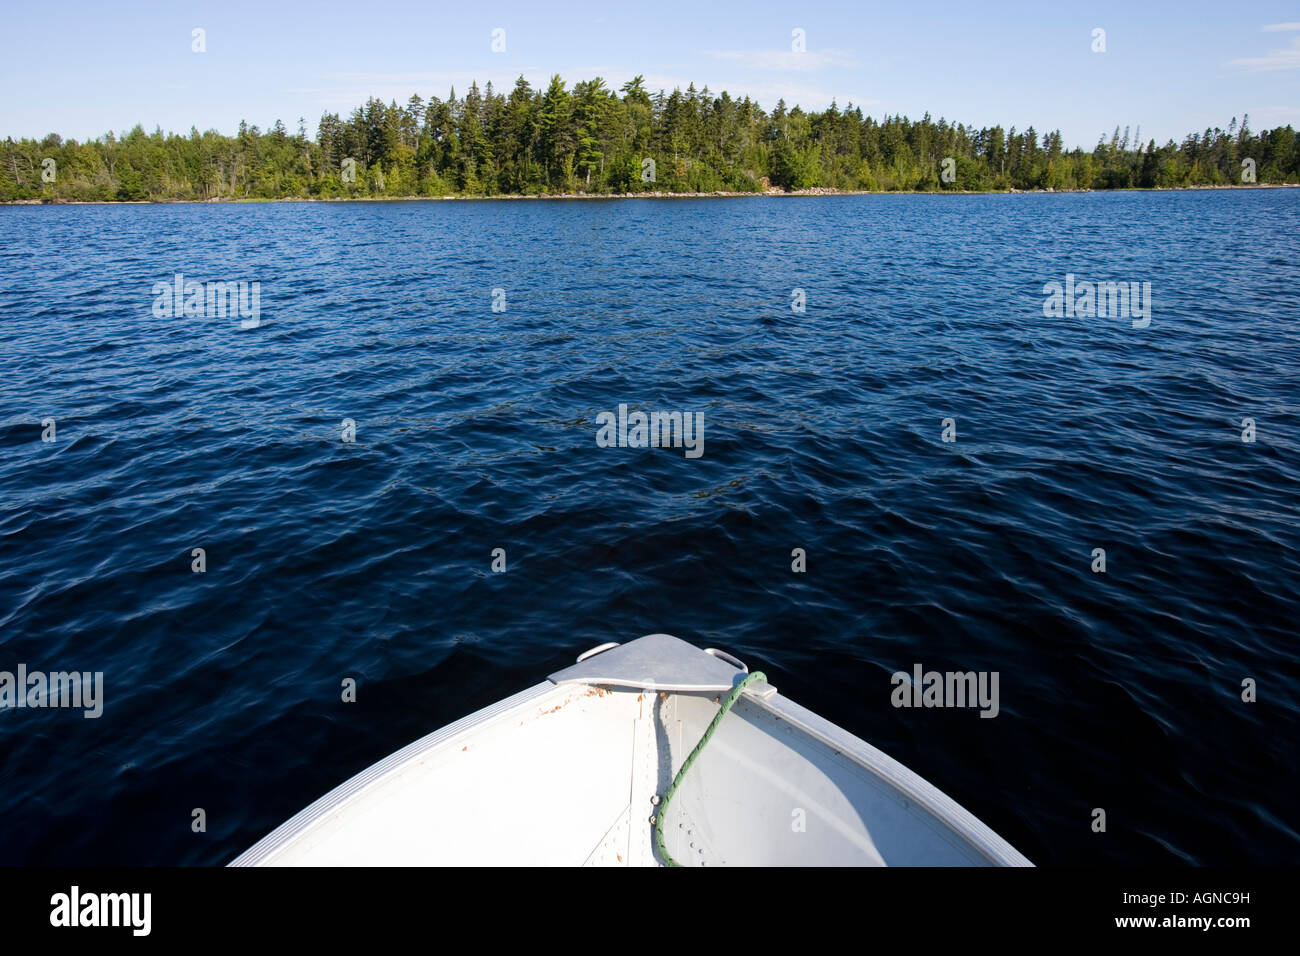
{"points": [[656, 194]]}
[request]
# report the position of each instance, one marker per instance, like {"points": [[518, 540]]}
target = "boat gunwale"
{"points": [[321, 810], [903, 780]]}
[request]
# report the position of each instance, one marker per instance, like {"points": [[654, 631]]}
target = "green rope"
{"points": [[677, 780]]}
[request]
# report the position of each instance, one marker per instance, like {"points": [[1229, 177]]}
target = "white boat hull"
{"points": [[566, 773]]}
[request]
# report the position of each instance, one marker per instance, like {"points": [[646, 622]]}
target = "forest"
{"points": [[592, 140]]}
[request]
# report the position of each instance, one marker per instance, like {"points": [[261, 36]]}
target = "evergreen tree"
{"points": [[597, 140]]}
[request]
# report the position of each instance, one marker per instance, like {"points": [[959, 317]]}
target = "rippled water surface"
{"points": [[476, 430]]}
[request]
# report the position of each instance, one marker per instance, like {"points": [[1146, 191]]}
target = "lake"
{"points": [[231, 515]]}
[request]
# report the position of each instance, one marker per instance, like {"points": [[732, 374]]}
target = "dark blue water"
{"points": [[476, 430]]}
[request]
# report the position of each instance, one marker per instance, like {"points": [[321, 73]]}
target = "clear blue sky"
{"points": [[83, 67]]}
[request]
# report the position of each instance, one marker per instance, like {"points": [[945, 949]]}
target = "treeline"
{"points": [[590, 139]]}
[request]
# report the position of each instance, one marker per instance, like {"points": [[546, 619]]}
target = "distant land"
{"points": [[593, 141]]}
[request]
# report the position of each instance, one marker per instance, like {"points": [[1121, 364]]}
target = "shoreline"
{"points": [[816, 191]]}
